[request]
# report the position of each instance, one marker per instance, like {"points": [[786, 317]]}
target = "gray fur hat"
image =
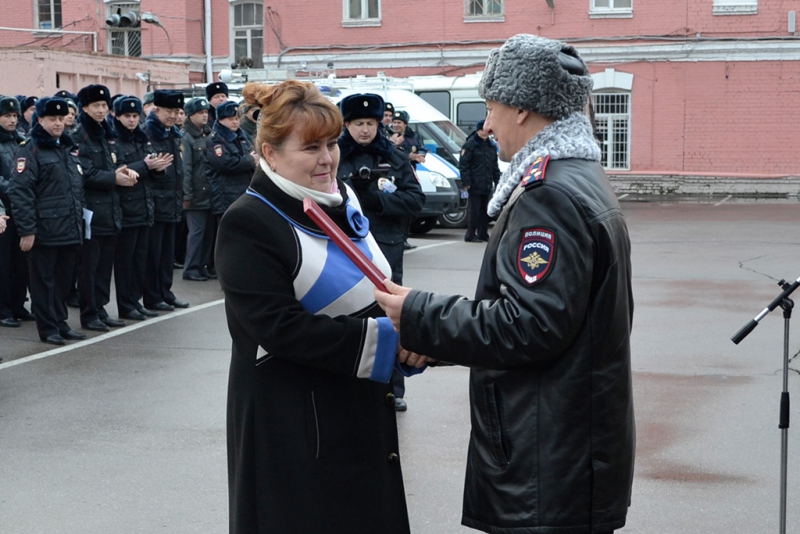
{"points": [[536, 74]]}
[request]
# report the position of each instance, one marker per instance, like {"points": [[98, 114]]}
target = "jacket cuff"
{"points": [[408, 317], [379, 352]]}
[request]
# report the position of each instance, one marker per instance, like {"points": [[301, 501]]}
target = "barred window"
{"points": [[124, 28], [612, 114], [48, 14], [484, 8]]}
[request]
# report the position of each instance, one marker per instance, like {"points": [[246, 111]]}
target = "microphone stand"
{"points": [[786, 305]]}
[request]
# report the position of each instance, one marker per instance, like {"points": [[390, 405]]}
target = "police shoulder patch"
{"points": [[218, 150], [537, 251], [534, 174], [22, 163]]}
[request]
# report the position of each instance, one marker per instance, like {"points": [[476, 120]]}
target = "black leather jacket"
{"points": [[98, 152], [167, 184], [195, 166], [388, 213], [548, 340], [136, 201], [9, 143], [230, 166], [47, 190], [478, 165]]}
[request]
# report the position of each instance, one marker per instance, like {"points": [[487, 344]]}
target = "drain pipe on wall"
{"points": [[209, 67]]}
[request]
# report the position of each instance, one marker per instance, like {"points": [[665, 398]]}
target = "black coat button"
{"points": [[393, 458], [389, 399]]}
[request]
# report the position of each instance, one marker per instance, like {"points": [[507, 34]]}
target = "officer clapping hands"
{"points": [[126, 177], [158, 162]]}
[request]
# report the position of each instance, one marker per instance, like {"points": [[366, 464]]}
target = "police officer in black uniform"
{"points": [[168, 202], [13, 262], [479, 174], [102, 174], [46, 194], [136, 202], [382, 177], [216, 94]]}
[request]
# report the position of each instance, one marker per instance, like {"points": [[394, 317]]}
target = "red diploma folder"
{"points": [[343, 242]]}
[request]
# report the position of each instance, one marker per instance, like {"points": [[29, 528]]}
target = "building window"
{"points": [[361, 13], [611, 9], [612, 114], [48, 14], [124, 28], [483, 11], [248, 35], [735, 7]]}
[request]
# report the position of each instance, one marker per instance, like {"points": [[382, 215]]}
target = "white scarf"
{"points": [[298, 191], [568, 138]]}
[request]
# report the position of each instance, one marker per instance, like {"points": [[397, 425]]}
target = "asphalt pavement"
{"points": [[125, 432]]}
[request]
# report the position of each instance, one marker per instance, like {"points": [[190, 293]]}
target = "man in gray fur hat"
{"points": [[548, 334]]}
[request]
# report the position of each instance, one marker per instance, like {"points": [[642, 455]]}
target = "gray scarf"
{"points": [[568, 138]]}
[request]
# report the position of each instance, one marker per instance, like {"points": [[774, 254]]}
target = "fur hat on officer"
{"points": [[66, 95], [400, 116], [536, 74], [127, 104], [196, 105], [51, 106], [215, 89], [148, 98], [362, 106], [94, 93], [9, 104], [164, 98], [227, 109], [27, 102], [389, 107]]}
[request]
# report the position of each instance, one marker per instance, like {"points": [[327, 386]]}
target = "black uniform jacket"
{"points": [[311, 448], [195, 166], [478, 165], [230, 166], [9, 143], [388, 213], [167, 184], [47, 190], [547, 337], [97, 142], [136, 201]]}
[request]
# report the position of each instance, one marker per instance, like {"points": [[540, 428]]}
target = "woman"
{"points": [[312, 435]]}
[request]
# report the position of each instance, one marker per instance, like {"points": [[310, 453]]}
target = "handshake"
{"points": [[392, 304]]}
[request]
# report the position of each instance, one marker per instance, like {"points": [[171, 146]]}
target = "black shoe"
{"points": [[96, 325], [134, 316], [72, 334], [9, 322], [471, 239], [195, 277], [208, 274], [179, 304], [408, 246], [177, 265], [400, 405], [146, 312], [24, 315], [161, 306], [55, 339], [484, 239], [73, 302], [108, 321]]}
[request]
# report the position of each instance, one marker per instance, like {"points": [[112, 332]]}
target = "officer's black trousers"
{"points": [[477, 217], [129, 267], [160, 257], [198, 247], [13, 274], [50, 278], [94, 284]]}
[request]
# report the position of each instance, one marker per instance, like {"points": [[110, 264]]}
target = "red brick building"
{"points": [[687, 89]]}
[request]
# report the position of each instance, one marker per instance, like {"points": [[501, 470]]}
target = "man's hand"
{"points": [[186, 204], [160, 162], [392, 302], [3, 225], [125, 177], [417, 157], [26, 242], [396, 138], [412, 359]]}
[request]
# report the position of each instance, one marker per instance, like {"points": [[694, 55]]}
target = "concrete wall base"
{"points": [[665, 184]]}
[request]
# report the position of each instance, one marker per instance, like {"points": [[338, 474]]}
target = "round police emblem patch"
{"points": [[536, 254]]}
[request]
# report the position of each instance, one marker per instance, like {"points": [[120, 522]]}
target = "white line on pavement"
{"points": [[623, 196], [426, 247], [109, 335], [724, 200]]}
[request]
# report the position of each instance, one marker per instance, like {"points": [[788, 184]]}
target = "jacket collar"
{"points": [[158, 130], [14, 135], [190, 128], [44, 139], [96, 130], [226, 133], [380, 146], [129, 135]]}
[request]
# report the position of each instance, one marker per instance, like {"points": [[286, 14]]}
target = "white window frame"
{"points": [[111, 7], [234, 29], [36, 21], [613, 82], [610, 12], [493, 17], [735, 7], [363, 21]]}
